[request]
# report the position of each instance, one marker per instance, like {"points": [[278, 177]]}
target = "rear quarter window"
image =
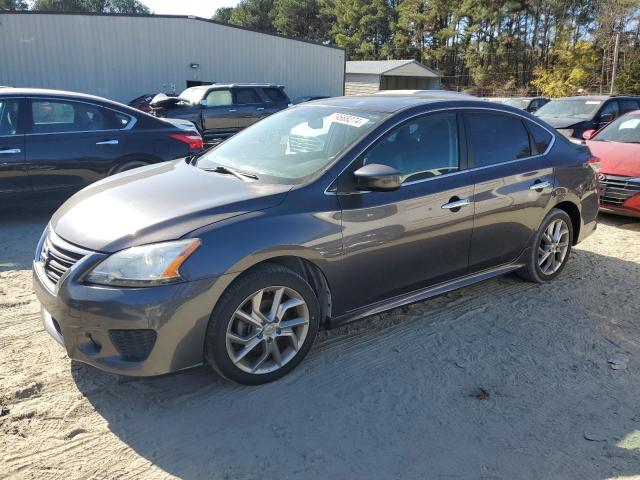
{"points": [[274, 94], [541, 138]]}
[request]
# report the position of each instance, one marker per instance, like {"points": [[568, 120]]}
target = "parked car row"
{"points": [[55, 143], [572, 116]]}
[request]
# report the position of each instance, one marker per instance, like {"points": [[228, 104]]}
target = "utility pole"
{"points": [[615, 63]]}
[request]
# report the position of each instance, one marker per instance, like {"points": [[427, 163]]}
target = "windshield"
{"points": [[624, 130], [292, 144], [193, 94], [573, 108], [517, 102]]}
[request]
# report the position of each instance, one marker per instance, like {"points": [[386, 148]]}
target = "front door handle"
{"points": [[233, 110], [456, 204], [260, 109], [539, 186], [10, 150], [108, 142]]}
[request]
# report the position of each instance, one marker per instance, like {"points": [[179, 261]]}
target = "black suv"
{"points": [[572, 116], [220, 110]]}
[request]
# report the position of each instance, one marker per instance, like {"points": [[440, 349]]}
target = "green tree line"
{"points": [[487, 47], [96, 6]]}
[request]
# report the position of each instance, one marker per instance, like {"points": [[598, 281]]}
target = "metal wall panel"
{"points": [[121, 57]]}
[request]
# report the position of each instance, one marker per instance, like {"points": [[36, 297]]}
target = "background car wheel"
{"points": [[263, 326], [551, 248], [129, 166]]}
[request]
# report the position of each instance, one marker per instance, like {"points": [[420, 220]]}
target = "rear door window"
{"points": [[245, 96], [219, 98], [9, 116], [496, 138], [274, 94], [59, 116]]}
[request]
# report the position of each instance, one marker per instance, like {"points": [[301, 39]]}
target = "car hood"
{"points": [[617, 158], [157, 203], [561, 122]]}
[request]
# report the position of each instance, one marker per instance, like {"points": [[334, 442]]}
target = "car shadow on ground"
{"points": [[504, 379]]}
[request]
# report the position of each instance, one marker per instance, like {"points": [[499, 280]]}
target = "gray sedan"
{"points": [[319, 215]]}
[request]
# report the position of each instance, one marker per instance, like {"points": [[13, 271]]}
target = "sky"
{"points": [[199, 8]]}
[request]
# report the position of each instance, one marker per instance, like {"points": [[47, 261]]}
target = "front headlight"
{"points": [[144, 266]]}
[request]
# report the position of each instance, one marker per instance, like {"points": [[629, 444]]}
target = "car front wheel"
{"points": [[263, 326], [550, 249]]}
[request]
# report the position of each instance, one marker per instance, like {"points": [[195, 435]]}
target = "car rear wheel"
{"points": [[129, 166], [551, 248], [263, 326]]}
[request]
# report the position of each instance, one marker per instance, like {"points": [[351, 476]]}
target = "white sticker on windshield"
{"points": [[345, 119], [593, 102], [633, 123]]}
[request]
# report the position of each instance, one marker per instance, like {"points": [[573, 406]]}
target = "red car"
{"points": [[618, 147]]}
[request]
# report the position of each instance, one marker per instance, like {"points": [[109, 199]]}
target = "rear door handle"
{"points": [[539, 186], [456, 204], [10, 150], [108, 142], [260, 109], [232, 110]]}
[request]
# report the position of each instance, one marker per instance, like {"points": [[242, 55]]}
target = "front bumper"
{"points": [[127, 331]]}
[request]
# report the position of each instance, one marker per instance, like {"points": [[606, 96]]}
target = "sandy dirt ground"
{"points": [[502, 380]]}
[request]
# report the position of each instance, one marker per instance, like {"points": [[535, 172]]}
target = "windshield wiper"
{"points": [[230, 171]]}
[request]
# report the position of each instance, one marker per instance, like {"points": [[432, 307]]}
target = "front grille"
{"points": [[300, 144], [616, 190], [58, 256], [133, 345]]}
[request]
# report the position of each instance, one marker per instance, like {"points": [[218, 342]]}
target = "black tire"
{"points": [[532, 271], [263, 277], [129, 166]]}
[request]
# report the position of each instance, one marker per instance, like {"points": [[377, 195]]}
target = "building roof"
{"points": [[157, 16], [405, 68]]}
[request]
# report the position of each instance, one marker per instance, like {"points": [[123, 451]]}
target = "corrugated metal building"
{"points": [[371, 76], [123, 56]]}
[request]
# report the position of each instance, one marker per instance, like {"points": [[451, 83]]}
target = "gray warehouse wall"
{"points": [[121, 57]]}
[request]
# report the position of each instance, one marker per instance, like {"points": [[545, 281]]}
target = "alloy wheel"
{"points": [[553, 247], [267, 330]]}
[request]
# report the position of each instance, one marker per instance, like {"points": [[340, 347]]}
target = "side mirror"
{"points": [[606, 118], [377, 177], [588, 134], [203, 102]]}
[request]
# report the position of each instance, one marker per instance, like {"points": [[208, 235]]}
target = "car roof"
{"points": [[595, 97], [378, 102], [232, 85], [44, 92]]}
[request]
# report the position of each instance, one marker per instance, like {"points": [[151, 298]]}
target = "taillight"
{"points": [[594, 162], [194, 140]]}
